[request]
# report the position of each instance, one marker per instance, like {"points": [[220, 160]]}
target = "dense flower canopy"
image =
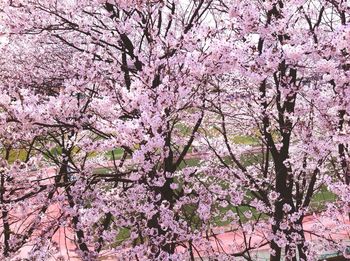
{"points": [[144, 130]]}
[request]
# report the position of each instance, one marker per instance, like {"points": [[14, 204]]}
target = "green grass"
{"points": [[245, 140], [123, 235], [101, 170], [250, 159], [219, 222], [15, 154], [317, 204], [318, 200], [118, 153], [189, 163]]}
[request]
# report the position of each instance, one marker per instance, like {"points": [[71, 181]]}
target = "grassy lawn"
{"points": [[15, 154], [118, 153], [245, 140], [318, 200]]}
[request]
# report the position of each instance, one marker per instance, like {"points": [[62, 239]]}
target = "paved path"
{"points": [[64, 236], [222, 243]]}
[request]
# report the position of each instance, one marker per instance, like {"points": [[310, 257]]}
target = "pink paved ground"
{"points": [[225, 240], [67, 249]]}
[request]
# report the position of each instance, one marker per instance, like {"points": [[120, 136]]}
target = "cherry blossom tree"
{"points": [[290, 96], [125, 117]]}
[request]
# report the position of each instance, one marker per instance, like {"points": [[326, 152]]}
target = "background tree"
{"points": [[288, 100]]}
